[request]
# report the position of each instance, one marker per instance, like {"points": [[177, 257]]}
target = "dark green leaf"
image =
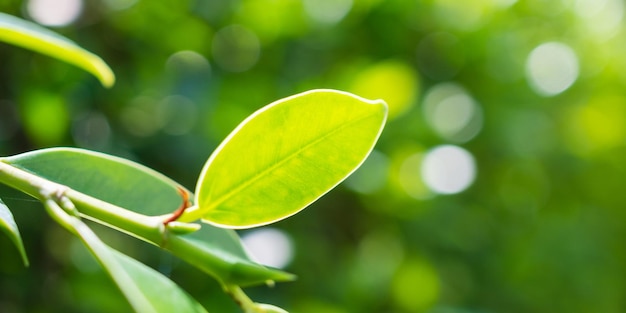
{"points": [[8, 225], [146, 289]]}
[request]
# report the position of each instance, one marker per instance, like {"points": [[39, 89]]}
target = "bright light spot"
{"points": [[452, 113], [269, 246], [54, 12], [371, 176], [393, 81], [589, 8], [603, 17], [551, 68], [448, 169], [409, 177], [236, 48], [327, 11]]}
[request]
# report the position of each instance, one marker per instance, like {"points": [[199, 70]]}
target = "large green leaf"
{"points": [[135, 187], [34, 37], [8, 225], [285, 156], [146, 289]]}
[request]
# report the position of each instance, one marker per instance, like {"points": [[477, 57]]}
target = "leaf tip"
{"points": [[102, 71]]}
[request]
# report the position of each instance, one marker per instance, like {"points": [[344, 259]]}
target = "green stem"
{"points": [[132, 223], [222, 267], [242, 299]]}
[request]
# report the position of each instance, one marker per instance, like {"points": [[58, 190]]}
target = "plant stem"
{"points": [[223, 267], [242, 299], [135, 224]]}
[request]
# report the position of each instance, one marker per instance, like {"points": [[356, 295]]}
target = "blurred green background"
{"points": [[497, 185]]}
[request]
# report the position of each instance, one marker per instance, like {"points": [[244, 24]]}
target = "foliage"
{"points": [[296, 150], [538, 229]]}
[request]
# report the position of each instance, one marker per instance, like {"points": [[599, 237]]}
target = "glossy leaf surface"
{"points": [[31, 36], [285, 156], [8, 225], [137, 188], [112, 179], [146, 290]]}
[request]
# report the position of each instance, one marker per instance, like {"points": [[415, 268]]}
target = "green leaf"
{"points": [[146, 289], [31, 36], [285, 156], [8, 225], [112, 179], [132, 186], [234, 265]]}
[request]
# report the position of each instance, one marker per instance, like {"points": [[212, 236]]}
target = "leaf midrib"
{"points": [[271, 168]]}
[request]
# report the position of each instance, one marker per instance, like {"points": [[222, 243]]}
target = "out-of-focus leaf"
{"points": [[285, 156], [34, 37], [135, 187], [146, 289], [8, 225]]}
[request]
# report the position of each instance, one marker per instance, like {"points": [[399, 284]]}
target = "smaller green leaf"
{"points": [[8, 225], [112, 179], [147, 290], [31, 36], [285, 156]]}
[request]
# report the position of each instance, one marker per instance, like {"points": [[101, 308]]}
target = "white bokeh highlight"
{"points": [[448, 169], [551, 68], [452, 112], [269, 246], [55, 13], [603, 18]]}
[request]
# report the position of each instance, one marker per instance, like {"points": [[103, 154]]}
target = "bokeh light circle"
{"points": [[452, 112], [55, 13], [551, 68], [448, 169], [269, 246]]}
